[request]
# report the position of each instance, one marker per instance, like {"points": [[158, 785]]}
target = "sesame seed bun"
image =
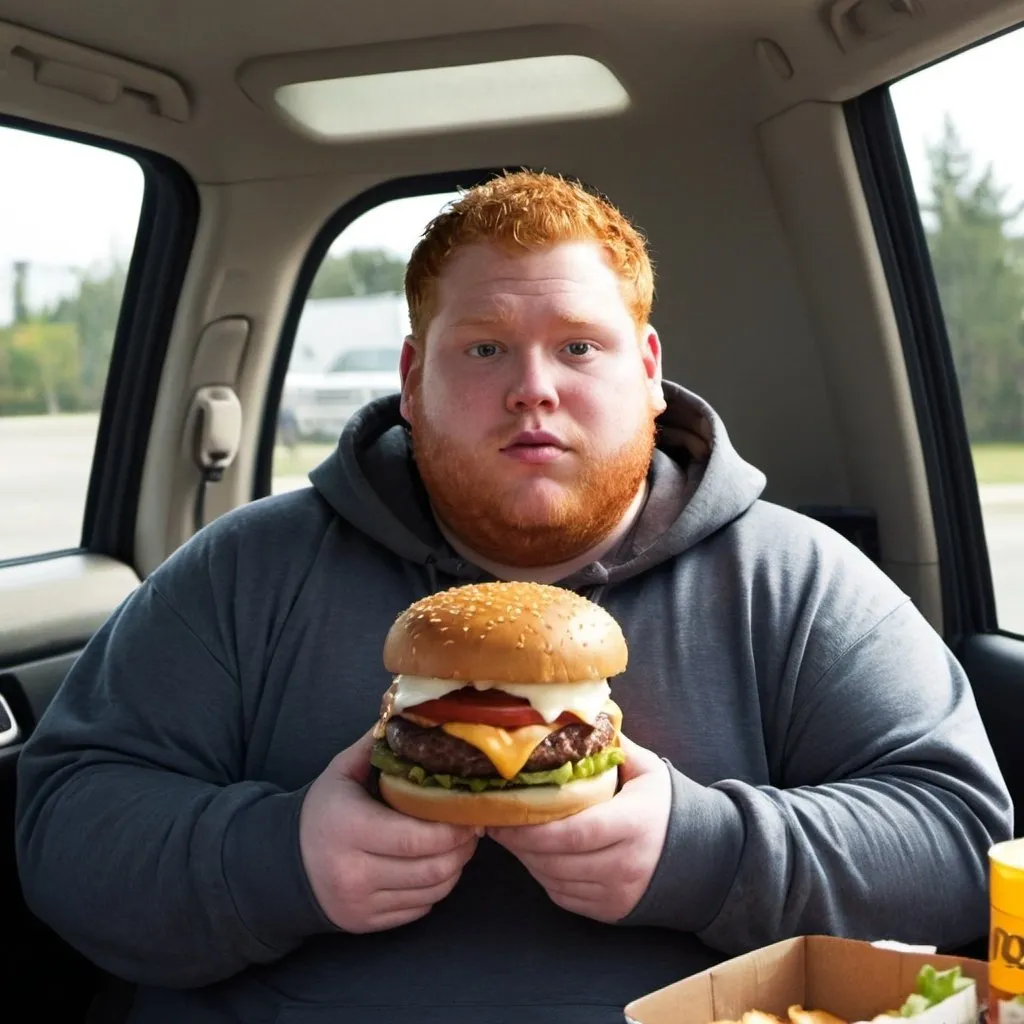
{"points": [[506, 633], [529, 805]]}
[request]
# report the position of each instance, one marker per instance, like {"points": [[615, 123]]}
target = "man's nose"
{"points": [[535, 385]]}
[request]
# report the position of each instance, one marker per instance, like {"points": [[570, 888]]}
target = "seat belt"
{"points": [[217, 415]]}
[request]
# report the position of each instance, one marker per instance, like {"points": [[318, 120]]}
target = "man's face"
{"points": [[532, 401]]}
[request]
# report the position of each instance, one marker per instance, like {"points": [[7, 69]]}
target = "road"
{"points": [[44, 473]]}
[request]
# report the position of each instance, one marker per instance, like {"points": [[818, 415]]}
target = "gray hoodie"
{"points": [[829, 769]]}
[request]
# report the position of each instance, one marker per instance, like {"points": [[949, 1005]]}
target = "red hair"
{"points": [[527, 211]]}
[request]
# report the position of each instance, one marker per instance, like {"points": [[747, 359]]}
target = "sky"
{"points": [[65, 207]]}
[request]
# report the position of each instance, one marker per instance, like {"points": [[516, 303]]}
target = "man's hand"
{"points": [[370, 867], [599, 862]]}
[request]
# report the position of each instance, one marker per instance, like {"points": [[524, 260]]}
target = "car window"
{"points": [[368, 360], [968, 173], [349, 338], [69, 214]]}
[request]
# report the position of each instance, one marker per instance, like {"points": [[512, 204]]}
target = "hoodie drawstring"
{"points": [[432, 580]]}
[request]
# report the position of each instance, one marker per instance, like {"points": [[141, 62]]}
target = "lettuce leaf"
{"points": [[932, 988], [384, 758]]}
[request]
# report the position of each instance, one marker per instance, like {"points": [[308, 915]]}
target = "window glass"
{"points": [[69, 214], [967, 164], [350, 335]]}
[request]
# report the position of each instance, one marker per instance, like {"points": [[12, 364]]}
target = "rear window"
{"points": [[349, 338]]}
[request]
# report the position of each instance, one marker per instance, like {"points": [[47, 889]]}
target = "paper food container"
{"points": [[855, 981]]}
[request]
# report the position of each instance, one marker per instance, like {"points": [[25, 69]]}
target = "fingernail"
{"points": [[479, 831]]}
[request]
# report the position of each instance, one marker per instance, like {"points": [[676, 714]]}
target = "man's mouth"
{"points": [[535, 447]]}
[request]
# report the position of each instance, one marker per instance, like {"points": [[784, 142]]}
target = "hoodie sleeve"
{"points": [[136, 841], [891, 799]]}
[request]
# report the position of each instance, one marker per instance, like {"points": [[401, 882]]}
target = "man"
{"points": [[805, 754]]}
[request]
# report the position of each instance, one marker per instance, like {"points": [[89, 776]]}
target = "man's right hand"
{"points": [[370, 867]]}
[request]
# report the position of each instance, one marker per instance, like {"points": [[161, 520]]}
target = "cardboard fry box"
{"points": [[855, 981]]}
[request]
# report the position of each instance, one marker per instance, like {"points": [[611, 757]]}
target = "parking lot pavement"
{"points": [[44, 473]]}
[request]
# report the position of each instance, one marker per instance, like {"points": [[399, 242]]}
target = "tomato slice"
{"points": [[485, 707]]}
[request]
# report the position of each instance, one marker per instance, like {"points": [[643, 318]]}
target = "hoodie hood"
{"points": [[697, 484]]}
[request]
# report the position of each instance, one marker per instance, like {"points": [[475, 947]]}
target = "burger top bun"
{"points": [[506, 633]]}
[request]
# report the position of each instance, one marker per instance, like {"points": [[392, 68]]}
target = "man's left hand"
{"points": [[599, 863]]}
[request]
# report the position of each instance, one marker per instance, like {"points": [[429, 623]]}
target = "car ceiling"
{"points": [[696, 59]]}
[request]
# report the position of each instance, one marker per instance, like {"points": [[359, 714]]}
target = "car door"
{"points": [[91, 255]]}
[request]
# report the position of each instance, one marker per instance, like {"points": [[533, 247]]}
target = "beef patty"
{"points": [[442, 754]]}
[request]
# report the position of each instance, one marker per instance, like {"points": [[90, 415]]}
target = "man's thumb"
{"points": [[354, 761], [639, 760]]}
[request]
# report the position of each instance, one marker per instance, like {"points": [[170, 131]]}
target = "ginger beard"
{"points": [[478, 503]]}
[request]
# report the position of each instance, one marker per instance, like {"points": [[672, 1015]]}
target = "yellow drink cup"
{"points": [[1006, 933]]}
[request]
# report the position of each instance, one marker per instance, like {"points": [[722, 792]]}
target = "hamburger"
{"points": [[500, 710]]}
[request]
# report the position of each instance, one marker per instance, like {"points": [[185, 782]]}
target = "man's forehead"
{"points": [[491, 290], [488, 268]]}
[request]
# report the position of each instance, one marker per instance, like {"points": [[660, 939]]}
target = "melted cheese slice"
{"points": [[508, 749], [586, 700]]}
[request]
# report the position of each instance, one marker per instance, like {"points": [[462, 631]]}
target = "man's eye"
{"points": [[579, 348], [484, 350]]}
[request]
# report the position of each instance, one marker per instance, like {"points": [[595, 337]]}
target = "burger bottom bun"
{"points": [[527, 805]]}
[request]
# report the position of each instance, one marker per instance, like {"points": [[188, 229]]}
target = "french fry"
{"points": [[798, 1015], [753, 1017]]}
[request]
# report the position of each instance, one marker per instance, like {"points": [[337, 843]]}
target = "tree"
{"points": [[19, 378], [981, 285], [52, 351], [93, 311], [38, 368], [359, 272], [56, 359]]}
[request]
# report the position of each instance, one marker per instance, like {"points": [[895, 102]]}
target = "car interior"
{"points": [[758, 145]]}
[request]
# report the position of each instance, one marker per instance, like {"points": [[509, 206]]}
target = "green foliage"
{"points": [[56, 359], [360, 272], [93, 312], [48, 354], [980, 276]]}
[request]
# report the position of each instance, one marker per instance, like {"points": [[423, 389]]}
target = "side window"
{"points": [[350, 335], [968, 172], [69, 214]]}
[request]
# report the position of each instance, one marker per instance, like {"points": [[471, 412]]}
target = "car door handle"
{"points": [[9, 731]]}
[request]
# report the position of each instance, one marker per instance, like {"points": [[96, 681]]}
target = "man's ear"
{"points": [[650, 350], [410, 371]]}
